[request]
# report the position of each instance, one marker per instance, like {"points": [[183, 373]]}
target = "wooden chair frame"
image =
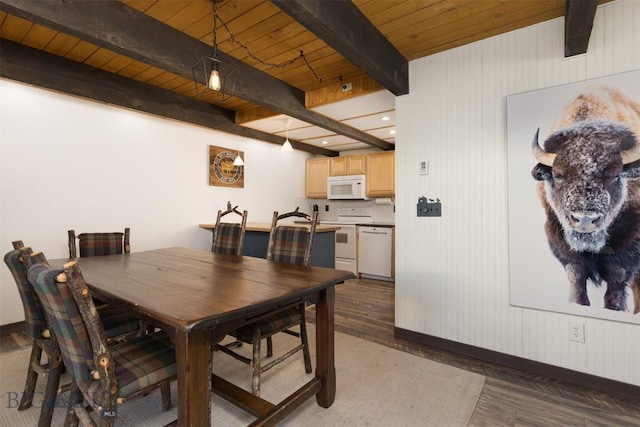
{"points": [[102, 358], [252, 334]]}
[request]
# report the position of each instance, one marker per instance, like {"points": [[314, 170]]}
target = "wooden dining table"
{"points": [[198, 297]]}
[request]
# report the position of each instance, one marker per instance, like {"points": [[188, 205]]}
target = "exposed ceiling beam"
{"points": [[32, 66], [578, 22], [122, 29], [343, 27]]}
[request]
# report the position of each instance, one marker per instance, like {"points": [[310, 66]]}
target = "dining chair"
{"points": [[103, 375], [116, 324], [96, 244], [289, 244], [99, 244], [228, 237]]}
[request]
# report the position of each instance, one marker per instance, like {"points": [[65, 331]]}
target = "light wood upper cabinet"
{"points": [[380, 174], [317, 172], [347, 165]]}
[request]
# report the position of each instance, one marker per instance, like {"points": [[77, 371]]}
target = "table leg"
{"points": [[193, 354], [325, 366]]}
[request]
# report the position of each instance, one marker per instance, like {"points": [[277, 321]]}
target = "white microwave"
{"points": [[348, 187]]}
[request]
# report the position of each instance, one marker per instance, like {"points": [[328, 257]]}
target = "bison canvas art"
{"points": [[585, 166]]}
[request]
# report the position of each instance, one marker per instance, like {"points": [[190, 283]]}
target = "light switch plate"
{"points": [[424, 168]]}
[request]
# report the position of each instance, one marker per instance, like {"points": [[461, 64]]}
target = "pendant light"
{"points": [[287, 145], [238, 160], [211, 71]]}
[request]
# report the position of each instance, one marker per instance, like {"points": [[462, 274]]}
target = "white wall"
{"points": [[452, 276], [68, 163]]}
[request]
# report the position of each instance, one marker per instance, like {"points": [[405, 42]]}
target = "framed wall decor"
{"points": [[574, 185], [222, 171]]}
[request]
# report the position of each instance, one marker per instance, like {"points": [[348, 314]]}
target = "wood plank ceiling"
{"points": [[139, 54]]}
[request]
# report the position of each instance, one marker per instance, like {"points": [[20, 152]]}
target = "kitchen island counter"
{"points": [[256, 240]]}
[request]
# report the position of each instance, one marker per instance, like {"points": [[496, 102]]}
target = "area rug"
{"points": [[376, 386]]}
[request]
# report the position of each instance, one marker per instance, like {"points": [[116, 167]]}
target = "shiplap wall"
{"points": [[67, 162], [452, 276]]}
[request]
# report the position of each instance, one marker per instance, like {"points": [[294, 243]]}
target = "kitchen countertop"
{"points": [[266, 227], [378, 224]]}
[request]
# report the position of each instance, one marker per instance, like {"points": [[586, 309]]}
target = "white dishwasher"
{"points": [[375, 252]]}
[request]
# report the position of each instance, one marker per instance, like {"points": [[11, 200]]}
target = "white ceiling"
{"points": [[364, 112]]}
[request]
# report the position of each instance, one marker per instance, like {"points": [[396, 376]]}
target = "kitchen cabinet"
{"points": [[317, 172], [347, 165], [380, 172]]}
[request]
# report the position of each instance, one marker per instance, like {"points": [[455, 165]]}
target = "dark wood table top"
{"points": [[190, 289]]}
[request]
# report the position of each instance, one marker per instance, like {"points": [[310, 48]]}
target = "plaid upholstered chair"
{"points": [[116, 324], [103, 376], [291, 244], [228, 237], [96, 244]]}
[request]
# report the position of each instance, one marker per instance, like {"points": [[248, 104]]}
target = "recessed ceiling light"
{"points": [[385, 118], [325, 142], [392, 132]]}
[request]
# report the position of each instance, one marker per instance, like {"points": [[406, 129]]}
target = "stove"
{"points": [[352, 216], [346, 250]]}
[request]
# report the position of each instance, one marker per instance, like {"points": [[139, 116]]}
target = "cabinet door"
{"points": [[317, 172], [347, 165], [356, 165], [381, 174], [338, 166]]}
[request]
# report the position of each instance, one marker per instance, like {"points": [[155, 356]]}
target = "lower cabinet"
{"points": [[322, 253]]}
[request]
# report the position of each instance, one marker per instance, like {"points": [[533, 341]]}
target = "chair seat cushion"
{"points": [[270, 325], [141, 362], [117, 323]]}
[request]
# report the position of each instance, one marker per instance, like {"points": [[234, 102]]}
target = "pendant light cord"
{"points": [[233, 38]]}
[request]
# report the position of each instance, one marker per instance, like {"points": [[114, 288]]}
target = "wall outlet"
{"points": [[576, 331]]}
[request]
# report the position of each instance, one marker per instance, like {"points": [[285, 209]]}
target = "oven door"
{"points": [[346, 242]]}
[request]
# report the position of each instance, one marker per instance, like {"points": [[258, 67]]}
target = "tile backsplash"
{"points": [[381, 212]]}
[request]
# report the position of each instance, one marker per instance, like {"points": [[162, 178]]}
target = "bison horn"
{"points": [[631, 155], [541, 155]]}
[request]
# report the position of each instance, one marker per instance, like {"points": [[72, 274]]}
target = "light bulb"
{"points": [[214, 80], [238, 161], [286, 146]]}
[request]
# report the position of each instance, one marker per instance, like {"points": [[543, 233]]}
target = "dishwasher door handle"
{"points": [[374, 232]]}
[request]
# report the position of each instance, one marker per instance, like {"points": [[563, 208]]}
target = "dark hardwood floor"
{"points": [[365, 308]]}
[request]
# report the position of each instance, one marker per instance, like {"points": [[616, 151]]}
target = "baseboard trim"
{"points": [[569, 376], [11, 328]]}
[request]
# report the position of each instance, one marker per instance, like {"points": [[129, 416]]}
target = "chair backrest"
{"points": [[34, 317], [96, 244], [74, 320], [290, 243], [228, 237]]}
